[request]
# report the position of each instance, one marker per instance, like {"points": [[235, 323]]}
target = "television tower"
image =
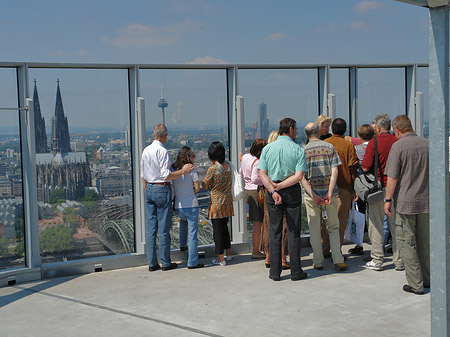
{"points": [[163, 103]]}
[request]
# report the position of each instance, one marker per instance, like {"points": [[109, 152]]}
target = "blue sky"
{"points": [[203, 31], [183, 31]]}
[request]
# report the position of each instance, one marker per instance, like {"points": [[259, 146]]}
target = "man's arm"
{"points": [[390, 189], [292, 180], [333, 180], [144, 182], [308, 189], [269, 186], [184, 170]]}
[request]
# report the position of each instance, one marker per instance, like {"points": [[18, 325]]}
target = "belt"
{"points": [[162, 184]]}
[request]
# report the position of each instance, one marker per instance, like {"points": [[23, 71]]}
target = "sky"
{"points": [[202, 31]]}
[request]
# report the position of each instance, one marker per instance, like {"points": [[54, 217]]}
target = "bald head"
{"points": [[312, 130]]}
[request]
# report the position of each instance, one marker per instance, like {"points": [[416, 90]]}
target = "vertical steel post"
{"points": [[137, 135], [237, 145], [28, 154], [353, 100], [439, 183], [324, 89], [410, 92]]}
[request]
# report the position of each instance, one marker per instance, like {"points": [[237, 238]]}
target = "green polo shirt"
{"points": [[282, 158]]}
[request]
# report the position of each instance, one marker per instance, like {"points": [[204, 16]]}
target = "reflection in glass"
{"points": [[195, 113], [273, 94], [380, 91], [12, 228], [83, 163]]}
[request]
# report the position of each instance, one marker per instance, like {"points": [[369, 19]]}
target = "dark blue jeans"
{"points": [[291, 206]]}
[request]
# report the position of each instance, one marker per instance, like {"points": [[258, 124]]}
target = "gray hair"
{"points": [[312, 129], [383, 121], [159, 131]]}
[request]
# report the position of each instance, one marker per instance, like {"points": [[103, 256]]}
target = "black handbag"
{"points": [[367, 186]]}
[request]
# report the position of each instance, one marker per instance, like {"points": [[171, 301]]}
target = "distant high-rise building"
{"points": [[39, 124], [263, 126], [60, 127], [163, 103]]}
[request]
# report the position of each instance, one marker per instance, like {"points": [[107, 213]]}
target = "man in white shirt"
{"points": [[155, 174]]}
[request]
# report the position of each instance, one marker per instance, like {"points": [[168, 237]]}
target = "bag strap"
{"points": [[253, 164], [376, 162]]}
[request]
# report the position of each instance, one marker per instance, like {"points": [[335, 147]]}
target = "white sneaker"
{"points": [[229, 257], [216, 262], [374, 266]]}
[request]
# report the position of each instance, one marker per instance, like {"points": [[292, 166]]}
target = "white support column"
{"points": [[418, 126], [324, 89], [331, 106], [439, 166], [137, 134], [237, 145], [30, 207], [353, 100]]}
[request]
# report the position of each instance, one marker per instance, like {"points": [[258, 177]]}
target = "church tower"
{"points": [[60, 127], [39, 124]]}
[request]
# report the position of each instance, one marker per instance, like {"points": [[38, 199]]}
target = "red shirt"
{"points": [[385, 141]]}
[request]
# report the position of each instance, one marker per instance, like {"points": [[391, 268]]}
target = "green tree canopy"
{"points": [[57, 196], [57, 239]]}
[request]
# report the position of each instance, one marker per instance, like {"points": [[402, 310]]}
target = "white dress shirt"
{"points": [[155, 163]]}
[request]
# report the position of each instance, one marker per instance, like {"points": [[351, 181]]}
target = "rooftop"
{"points": [[236, 300]]}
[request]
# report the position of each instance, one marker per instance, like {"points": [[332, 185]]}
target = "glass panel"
{"points": [[83, 163], [422, 86], [273, 94], [12, 228], [380, 91], [339, 87], [195, 112]]}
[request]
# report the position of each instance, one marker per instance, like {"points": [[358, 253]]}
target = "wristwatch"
{"points": [[387, 200], [271, 193]]}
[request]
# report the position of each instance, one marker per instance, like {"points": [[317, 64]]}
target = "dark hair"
{"points": [[286, 124], [366, 132], [257, 147], [339, 126], [183, 157], [216, 152]]}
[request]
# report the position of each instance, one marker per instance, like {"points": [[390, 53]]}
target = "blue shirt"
{"points": [[282, 158]]}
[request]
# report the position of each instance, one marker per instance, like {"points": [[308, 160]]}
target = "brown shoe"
{"points": [[257, 256], [317, 267], [341, 266]]}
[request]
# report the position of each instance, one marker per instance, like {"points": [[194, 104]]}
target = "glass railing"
{"points": [[84, 135], [83, 163]]}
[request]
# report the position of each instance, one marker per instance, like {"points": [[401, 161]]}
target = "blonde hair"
{"points": [[273, 136], [321, 119]]}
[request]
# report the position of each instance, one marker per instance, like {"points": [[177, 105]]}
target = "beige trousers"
{"points": [[344, 202], [314, 214], [376, 233]]}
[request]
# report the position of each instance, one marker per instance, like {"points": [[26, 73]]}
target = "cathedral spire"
{"points": [[60, 127], [39, 123]]}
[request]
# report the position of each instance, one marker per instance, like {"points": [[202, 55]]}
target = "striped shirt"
{"points": [[320, 158]]}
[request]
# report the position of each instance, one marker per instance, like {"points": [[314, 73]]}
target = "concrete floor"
{"points": [[236, 300]]}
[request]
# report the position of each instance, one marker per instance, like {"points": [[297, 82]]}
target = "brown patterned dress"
{"points": [[218, 179]]}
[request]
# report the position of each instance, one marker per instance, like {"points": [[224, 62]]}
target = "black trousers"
{"points": [[291, 207], [221, 235]]}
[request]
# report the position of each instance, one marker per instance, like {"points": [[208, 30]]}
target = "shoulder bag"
{"points": [[367, 186]]}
